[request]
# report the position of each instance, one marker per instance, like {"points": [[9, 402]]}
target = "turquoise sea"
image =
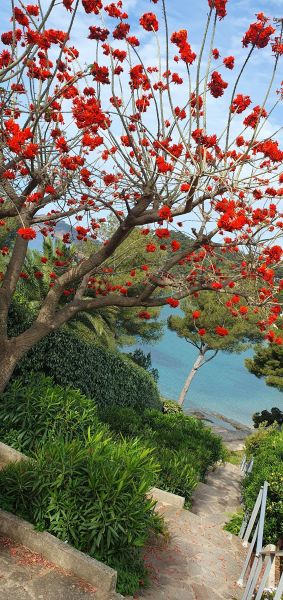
{"points": [[224, 385]]}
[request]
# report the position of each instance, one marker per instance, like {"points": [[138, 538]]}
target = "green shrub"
{"points": [[179, 432], [106, 377], [90, 494], [122, 420], [235, 522], [170, 406], [267, 448], [183, 446], [31, 412], [177, 474]]}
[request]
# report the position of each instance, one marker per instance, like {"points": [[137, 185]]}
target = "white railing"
{"points": [[255, 574], [247, 465]]}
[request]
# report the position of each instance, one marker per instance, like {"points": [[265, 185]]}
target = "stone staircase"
{"points": [[200, 561]]}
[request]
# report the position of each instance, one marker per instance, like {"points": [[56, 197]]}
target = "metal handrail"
{"points": [[247, 465], [256, 524]]}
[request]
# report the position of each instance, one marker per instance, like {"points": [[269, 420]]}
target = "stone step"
{"points": [[201, 561]]}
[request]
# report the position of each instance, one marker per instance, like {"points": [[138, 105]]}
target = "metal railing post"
{"points": [[253, 518], [269, 554], [261, 519], [240, 581], [253, 577]]}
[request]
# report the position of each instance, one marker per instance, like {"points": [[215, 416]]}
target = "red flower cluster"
{"points": [[149, 22], [259, 33], [97, 33], [175, 245], [217, 85], [180, 39], [27, 233], [92, 6], [150, 248], [144, 314], [222, 331], [165, 212], [33, 10], [229, 62], [88, 113], [253, 119], [196, 314], [220, 7], [270, 150], [100, 74], [172, 302], [240, 103]]}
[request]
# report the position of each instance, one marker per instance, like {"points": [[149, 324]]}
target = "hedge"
{"points": [[106, 377]]}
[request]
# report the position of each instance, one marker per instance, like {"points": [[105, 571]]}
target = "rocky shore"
{"points": [[232, 432]]}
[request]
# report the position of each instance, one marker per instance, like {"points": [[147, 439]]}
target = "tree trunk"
{"points": [[8, 362], [190, 377]]}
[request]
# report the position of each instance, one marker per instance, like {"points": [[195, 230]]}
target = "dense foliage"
{"points": [[268, 363], [144, 360], [104, 376], [266, 446], [184, 447], [37, 410], [268, 417], [75, 459], [91, 494]]}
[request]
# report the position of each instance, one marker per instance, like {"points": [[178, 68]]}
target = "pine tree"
{"points": [[209, 327]]}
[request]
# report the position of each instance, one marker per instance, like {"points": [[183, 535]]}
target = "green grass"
{"points": [[234, 457]]}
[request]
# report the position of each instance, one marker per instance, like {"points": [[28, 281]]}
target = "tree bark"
{"points": [[8, 362], [193, 371]]}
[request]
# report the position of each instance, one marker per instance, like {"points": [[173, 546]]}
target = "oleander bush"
{"points": [[92, 494], [36, 410], [183, 446]]}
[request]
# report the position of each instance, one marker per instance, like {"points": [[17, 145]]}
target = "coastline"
{"points": [[232, 432]]}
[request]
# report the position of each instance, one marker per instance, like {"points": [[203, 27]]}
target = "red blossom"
{"points": [[217, 85], [258, 34], [202, 331], [97, 33], [150, 248], [149, 22], [165, 212], [196, 314], [33, 10], [144, 314], [229, 62], [173, 302], [220, 7], [222, 331], [27, 233], [253, 118], [240, 103], [175, 245], [92, 6]]}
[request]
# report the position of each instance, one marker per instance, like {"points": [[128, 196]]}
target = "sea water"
{"points": [[224, 385]]}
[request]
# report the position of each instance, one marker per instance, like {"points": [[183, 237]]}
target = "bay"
{"points": [[224, 385]]}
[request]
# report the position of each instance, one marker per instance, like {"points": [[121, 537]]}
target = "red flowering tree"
{"points": [[135, 140]]}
